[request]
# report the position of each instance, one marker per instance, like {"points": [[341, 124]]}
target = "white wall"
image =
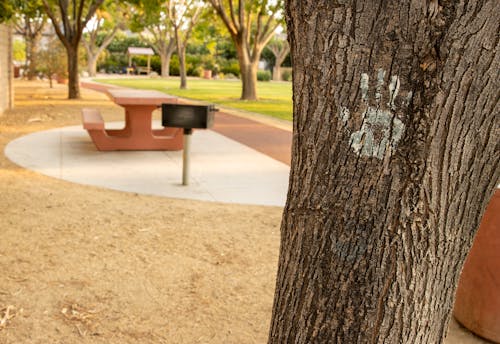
{"points": [[6, 73]]}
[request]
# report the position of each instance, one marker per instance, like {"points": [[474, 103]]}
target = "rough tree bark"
{"points": [[395, 155]]}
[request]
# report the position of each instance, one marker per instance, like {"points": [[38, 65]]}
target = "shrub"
{"points": [[195, 71], [194, 65], [229, 67], [263, 75], [286, 75], [113, 63], [174, 66]]}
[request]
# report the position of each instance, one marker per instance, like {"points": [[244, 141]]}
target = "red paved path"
{"points": [[266, 139]]}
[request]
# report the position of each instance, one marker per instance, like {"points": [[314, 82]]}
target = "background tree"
{"points": [[29, 21], [395, 156], [53, 60], [280, 49], [101, 30], [183, 16], [251, 25], [69, 18], [150, 19]]}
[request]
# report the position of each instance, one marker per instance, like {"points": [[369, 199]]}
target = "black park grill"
{"points": [[188, 117]]}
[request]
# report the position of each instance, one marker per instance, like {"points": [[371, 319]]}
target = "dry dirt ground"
{"points": [[81, 264]]}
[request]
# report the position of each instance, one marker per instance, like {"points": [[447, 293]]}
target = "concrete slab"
{"points": [[222, 169]]}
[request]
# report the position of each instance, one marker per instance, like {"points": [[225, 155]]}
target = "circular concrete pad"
{"points": [[222, 169]]}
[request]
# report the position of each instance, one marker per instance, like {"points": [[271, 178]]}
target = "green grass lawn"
{"points": [[275, 98]]}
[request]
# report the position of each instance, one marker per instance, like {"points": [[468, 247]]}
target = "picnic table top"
{"points": [[123, 96]]}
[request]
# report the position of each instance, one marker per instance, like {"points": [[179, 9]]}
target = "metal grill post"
{"points": [[185, 156]]}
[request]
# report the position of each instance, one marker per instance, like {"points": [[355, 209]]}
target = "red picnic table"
{"points": [[138, 133]]}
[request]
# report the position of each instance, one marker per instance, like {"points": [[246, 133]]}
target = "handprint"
{"points": [[381, 128]]}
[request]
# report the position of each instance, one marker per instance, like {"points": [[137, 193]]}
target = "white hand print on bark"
{"points": [[381, 128]]}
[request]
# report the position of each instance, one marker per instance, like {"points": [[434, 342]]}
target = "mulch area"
{"points": [[83, 264]]}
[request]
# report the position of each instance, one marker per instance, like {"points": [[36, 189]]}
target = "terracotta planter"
{"points": [[207, 74], [477, 304]]}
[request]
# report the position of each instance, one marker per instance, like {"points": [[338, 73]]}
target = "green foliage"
{"points": [[32, 9], [19, 50], [228, 76], [263, 75], [113, 63], [286, 75], [10, 9], [268, 56], [209, 62], [116, 59], [13, 9], [194, 65], [174, 66], [229, 66], [121, 42], [147, 14], [7, 10], [226, 49], [195, 71], [210, 37]]}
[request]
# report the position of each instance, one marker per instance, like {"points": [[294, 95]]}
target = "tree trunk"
{"points": [[166, 50], [277, 72], [248, 71], [280, 52], [31, 54], [181, 52], [93, 51], [73, 79], [182, 67], [249, 81], [395, 155], [92, 63], [165, 64]]}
